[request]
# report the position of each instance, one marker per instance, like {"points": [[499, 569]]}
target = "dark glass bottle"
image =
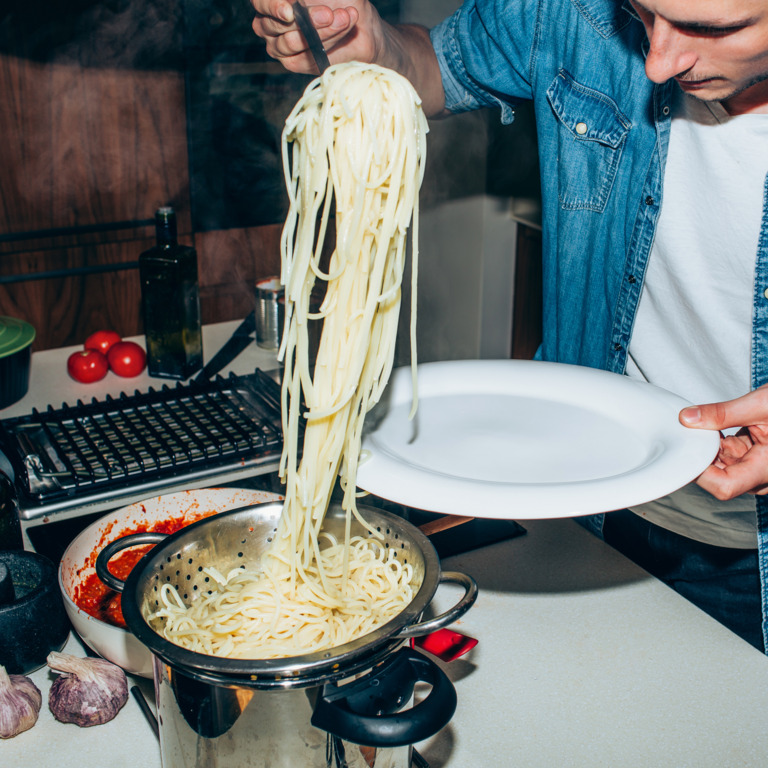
{"points": [[170, 299], [10, 526]]}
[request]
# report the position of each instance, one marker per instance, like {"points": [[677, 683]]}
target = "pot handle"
{"points": [[449, 616], [118, 545], [352, 712]]}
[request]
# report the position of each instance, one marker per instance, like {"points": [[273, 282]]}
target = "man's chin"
{"points": [[751, 96], [706, 90]]}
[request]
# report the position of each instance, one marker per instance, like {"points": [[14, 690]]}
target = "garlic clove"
{"points": [[20, 701], [88, 692]]}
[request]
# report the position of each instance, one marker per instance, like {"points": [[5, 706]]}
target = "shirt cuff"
{"points": [[461, 93]]}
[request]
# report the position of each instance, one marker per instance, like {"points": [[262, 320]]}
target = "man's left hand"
{"points": [[741, 465]]}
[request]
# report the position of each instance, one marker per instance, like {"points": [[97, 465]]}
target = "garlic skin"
{"points": [[20, 702], [88, 692]]}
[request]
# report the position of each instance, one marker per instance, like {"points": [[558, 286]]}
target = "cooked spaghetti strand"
{"points": [[356, 142]]}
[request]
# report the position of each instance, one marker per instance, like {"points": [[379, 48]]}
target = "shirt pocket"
{"points": [[590, 136]]}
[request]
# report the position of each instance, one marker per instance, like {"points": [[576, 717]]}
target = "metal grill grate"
{"points": [[75, 454]]}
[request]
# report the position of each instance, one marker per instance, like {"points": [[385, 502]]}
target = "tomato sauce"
{"points": [[96, 598]]}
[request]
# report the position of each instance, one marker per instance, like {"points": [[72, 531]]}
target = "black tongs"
{"points": [[304, 22]]}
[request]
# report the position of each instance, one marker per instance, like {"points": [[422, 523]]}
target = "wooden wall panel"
{"points": [[65, 310], [89, 146], [84, 147], [229, 262]]}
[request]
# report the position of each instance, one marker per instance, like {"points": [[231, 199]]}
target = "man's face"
{"points": [[716, 50]]}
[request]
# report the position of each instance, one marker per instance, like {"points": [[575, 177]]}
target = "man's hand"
{"points": [[352, 30], [741, 465], [348, 29]]}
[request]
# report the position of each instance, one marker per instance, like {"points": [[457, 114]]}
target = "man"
{"points": [[652, 120]]}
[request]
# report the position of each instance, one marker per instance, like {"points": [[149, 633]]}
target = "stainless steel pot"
{"points": [[340, 708]]}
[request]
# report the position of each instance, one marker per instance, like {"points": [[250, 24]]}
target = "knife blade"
{"points": [[237, 342], [304, 22]]}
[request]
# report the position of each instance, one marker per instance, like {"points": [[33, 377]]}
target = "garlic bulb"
{"points": [[89, 691], [20, 701]]}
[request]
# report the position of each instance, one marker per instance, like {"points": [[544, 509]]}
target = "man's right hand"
{"points": [[348, 29], [352, 30]]}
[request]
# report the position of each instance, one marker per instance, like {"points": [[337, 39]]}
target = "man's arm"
{"points": [[353, 31], [741, 465]]}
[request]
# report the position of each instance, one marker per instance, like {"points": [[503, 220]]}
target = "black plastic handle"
{"points": [[118, 545], [363, 712]]}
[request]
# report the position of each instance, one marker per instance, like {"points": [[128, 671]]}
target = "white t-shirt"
{"points": [[693, 330]]}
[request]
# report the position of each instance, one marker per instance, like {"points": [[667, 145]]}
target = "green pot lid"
{"points": [[15, 335]]}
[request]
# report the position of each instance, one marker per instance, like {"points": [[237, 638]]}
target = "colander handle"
{"points": [[449, 616], [361, 711], [118, 545]]}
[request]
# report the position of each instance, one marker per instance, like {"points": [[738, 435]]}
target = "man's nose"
{"points": [[670, 52]]}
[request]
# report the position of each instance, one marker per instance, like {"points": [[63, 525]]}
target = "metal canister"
{"points": [[269, 291]]}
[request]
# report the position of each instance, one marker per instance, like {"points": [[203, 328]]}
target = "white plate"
{"points": [[520, 439]]}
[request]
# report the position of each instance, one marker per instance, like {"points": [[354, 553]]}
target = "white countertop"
{"points": [[583, 660], [49, 383], [586, 661]]}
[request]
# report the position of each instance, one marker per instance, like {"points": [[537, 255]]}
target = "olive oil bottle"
{"points": [[170, 299]]}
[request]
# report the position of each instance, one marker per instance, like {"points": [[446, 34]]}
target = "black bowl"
{"points": [[33, 621]]}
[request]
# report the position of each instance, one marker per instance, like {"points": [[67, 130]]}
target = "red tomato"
{"points": [[102, 341], [87, 366], [126, 358]]}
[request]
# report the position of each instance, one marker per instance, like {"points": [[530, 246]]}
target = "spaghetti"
{"points": [[356, 143]]}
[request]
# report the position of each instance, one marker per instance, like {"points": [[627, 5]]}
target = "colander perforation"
{"points": [[238, 539]]}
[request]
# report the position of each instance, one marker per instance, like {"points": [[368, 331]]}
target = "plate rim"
{"points": [[392, 478]]}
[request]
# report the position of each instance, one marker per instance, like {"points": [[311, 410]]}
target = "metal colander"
{"points": [[239, 538]]}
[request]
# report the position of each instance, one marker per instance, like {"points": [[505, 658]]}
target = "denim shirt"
{"points": [[603, 132]]}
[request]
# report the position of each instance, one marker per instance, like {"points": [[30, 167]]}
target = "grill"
{"points": [[90, 455]]}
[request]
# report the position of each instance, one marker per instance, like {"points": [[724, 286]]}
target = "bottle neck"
{"points": [[165, 227]]}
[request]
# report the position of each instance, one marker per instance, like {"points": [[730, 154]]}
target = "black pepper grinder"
{"points": [[170, 299]]}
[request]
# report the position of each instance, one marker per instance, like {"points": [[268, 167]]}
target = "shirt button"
{"points": [[665, 110], [765, 293], [633, 279], [649, 200], [581, 128], [617, 347]]}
